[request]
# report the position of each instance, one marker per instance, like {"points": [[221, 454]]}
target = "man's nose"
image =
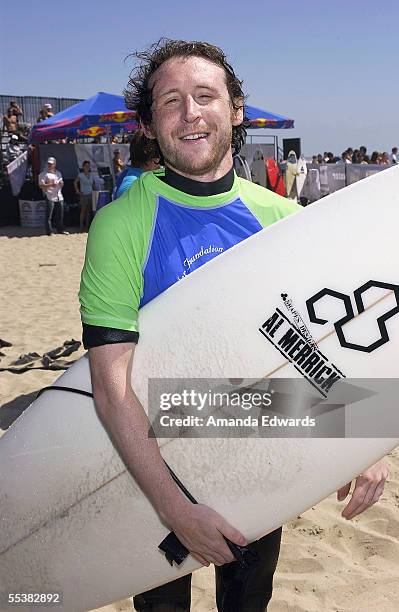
{"points": [[191, 110]]}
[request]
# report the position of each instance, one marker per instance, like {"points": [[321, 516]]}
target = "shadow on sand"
{"points": [[16, 231], [10, 411]]}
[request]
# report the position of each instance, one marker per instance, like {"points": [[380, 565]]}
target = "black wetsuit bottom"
{"points": [[236, 591]]}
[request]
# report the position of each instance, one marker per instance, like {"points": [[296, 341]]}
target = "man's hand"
{"points": [[368, 488], [201, 530]]}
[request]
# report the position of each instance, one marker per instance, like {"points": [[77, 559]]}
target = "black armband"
{"points": [[94, 335]]}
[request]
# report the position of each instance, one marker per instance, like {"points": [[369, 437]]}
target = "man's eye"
{"points": [[171, 101]]}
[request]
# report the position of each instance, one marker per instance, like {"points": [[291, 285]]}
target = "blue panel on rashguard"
{"points": [[184, 238]]}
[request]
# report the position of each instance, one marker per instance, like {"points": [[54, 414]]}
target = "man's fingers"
{"points": [[343, 491], [219, 559], [356, 500], [350, 513], [211, 555], [372, 496], [222, 552], [232, 534], [365, 495]]}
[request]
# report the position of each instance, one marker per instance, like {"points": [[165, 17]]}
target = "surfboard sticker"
{"points": [[290, 335], [306, 357], [302, 171]]}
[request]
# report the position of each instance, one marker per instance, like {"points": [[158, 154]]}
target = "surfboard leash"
{"points": [[174, 550]]}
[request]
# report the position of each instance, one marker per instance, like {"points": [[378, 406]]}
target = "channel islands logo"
{"points": [[311, 304]]}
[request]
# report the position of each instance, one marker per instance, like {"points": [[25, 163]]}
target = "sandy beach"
{"points": [[326, 563]]}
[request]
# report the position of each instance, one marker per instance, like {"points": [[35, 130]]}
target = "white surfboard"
{"points": [[290, 175], [302, 171], [73, 519], [258, 168]]}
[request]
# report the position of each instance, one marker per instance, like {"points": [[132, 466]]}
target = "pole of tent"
{"points": [[110, 154]]}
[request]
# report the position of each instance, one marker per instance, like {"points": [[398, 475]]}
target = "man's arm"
{"points": [[42, 183], [198, 527]]}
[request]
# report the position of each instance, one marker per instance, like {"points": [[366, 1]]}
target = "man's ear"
{"points": [[148, 131], [238, 114]]}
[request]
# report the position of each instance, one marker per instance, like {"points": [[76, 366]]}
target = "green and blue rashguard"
{"points": [[153, 236]]}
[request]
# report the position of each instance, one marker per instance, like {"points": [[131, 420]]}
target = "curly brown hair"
{"points": [[138, 93]]}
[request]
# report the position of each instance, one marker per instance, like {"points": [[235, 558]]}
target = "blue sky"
{"points": [[332, 66]]}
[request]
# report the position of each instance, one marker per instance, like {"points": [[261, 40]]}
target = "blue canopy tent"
{"points": [[264, 119], [106, 113], [101, 114]]}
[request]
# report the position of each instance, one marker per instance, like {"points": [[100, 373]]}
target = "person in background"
{"points": [[42, 116], [375, 157], [13, 149], [319, 158], [385, 159], [45, 113], [84, 185], [314, 159], [10, 123], [393, 158], [51, 183], [49, 110], [117, 162], [345, 159], [144, 157], [15, 110]]}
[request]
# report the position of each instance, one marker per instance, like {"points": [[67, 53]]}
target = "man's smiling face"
{"points": [[192, 117]]}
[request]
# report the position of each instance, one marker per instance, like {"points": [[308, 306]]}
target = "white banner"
{"points": [[356, 172], [98, 155], [16, 171], [332, 177]]}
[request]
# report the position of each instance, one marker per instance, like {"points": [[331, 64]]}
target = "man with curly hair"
{"points": [[189, 100]]}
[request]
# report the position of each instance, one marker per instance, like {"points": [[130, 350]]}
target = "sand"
{"points": [[326, 562]]}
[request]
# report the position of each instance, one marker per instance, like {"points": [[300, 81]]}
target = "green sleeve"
{"points": [[267, 206], [112, 280]]}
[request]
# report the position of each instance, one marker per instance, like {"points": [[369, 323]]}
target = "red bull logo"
{"points": [[92, 131], [263, 122], [117, 116]]}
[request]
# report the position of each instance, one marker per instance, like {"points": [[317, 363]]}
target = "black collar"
{"points": [[197, 188]]}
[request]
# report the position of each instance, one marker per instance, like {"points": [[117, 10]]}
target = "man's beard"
{"points": [[174, 157]]}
